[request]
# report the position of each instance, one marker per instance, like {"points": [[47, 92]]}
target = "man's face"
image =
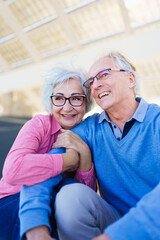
{"points": [[113, 92]]}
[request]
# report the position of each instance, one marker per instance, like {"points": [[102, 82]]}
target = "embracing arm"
{"points": [[28, 162], [24, 163], [141, 222]]}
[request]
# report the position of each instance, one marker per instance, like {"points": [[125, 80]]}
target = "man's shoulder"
{"points": [[153, 108], [88, 123], [154, 105], [153, 114], [92, 118]]}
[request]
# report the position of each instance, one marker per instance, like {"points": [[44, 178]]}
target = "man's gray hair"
{"points": [[57, 75], [123, 63]]}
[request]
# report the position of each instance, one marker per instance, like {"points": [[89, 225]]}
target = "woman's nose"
{"points": [[67, 105]]}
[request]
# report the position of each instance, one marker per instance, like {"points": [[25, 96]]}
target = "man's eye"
{"points": [[105, 74], [90, 82]]}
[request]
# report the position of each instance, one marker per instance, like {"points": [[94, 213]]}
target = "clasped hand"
{"points": [[71, 140]]}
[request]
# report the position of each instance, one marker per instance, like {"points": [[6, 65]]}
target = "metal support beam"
{"points": [[17, 29]]}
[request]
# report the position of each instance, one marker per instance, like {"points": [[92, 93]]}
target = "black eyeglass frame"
{"points": [[92, 78], [56, 95]]}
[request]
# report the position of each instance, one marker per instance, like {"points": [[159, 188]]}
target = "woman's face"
{"points": [[69, 116]]}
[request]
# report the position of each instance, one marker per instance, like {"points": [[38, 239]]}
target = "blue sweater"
{"points": [[128, 172]]}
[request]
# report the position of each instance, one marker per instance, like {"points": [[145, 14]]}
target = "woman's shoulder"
{"points": [[41, 119], [41, 116]]}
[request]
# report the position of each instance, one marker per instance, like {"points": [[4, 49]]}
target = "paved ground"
{"points": [[9, 128]]}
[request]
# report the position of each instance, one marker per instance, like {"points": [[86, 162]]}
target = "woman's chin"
{"points": [[69, 126]]}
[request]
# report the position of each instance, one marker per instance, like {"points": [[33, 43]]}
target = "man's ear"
{"points": [[132, 81]]}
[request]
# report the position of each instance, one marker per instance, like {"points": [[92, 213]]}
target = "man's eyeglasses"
{"points": [[102, 75], [75, 100]]}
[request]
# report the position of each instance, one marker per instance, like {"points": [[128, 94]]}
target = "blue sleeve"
{"points": [[34, 207], [141, 222], [83, 130], [35, 201]]}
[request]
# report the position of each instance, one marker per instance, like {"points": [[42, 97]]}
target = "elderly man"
{"points": [[125, 144]]}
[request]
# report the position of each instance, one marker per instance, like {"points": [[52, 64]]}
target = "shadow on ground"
{"points": [[9, 128]]}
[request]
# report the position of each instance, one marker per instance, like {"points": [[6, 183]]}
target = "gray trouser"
{"points": [[81, 213]]}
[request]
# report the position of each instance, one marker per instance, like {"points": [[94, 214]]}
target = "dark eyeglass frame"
{"points": [[86, 83], [56, 95]]}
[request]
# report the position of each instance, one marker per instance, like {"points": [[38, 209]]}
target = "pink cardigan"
{"points": [[28, 163]]}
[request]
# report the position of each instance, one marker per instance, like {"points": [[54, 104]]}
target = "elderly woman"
{"points": [[28, 162]]}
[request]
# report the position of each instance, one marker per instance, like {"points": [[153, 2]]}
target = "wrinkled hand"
{"points": [[68, 139], [71, 140], [103, 236], [70, 160], [39, 233]]}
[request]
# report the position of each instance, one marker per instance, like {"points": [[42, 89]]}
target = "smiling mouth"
{"points": [[68, 115], [103, 94]]}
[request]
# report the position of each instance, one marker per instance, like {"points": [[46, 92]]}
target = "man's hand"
{"points": [[39, 233], [102, 237], [70, 160]]}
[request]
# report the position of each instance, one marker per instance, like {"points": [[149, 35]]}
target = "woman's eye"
{"points": [[58, 98], [76, 98]]}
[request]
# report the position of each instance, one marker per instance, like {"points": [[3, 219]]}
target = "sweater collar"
{"points": [[139, 114]]}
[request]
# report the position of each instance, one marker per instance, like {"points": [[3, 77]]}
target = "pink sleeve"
{"points": [[87, 178], [25, 164]]}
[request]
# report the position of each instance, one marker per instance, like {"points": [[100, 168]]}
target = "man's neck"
{"points": [[121, 115]]}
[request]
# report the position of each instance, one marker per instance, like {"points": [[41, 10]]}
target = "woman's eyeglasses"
{"points": [[75, 101]]}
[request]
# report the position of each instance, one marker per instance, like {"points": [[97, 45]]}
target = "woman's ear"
{"points": [[132, 81]]}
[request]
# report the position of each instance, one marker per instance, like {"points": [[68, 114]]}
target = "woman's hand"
{"points": [[71, 140]]}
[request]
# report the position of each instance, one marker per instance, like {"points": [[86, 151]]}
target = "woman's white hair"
{"points": [[57, 75]]}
